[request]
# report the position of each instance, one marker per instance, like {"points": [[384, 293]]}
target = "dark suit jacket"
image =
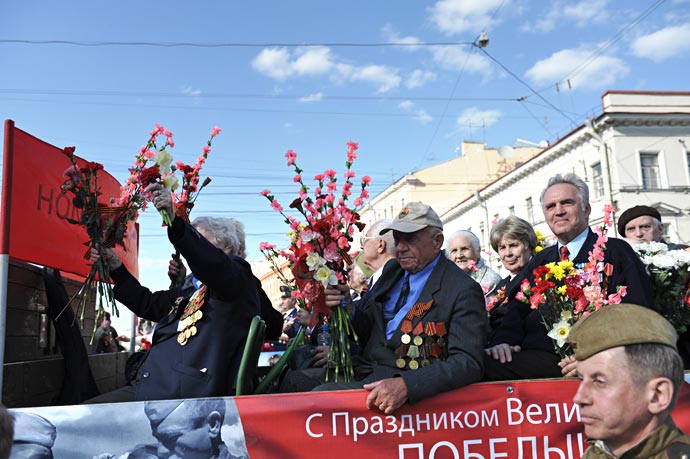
{"points": [[523, 326], [207, 364], [458, 303]]}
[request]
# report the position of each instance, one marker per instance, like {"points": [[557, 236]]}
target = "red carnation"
{"points": [[149, 175]]}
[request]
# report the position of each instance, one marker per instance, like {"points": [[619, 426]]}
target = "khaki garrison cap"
{"points": [[34, 429], [413, 217], [619, 325]]}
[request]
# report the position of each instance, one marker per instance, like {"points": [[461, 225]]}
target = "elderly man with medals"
{"points": [[198, 340], [422, 326]]}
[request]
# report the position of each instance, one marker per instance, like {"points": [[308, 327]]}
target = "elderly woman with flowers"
{"points": [[199, 338], [515, 241]]}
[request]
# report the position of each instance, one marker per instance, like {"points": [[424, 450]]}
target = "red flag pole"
{"points": [[8, 154]]}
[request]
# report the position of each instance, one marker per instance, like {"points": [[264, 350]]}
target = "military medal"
{"points": [[413, 353], [406, 328], [190, 316], [418, 330], [400, 362], [441, 332]]}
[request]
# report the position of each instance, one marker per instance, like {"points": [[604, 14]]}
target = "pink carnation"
{"points": [[291, 157], [265, 192], [366, 180], [266, 246], [215, 131]]}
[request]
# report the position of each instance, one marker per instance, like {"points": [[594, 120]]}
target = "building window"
{"points": [[391, 210], [597, 180], [530, 210], [649, 164], [511, 209]]}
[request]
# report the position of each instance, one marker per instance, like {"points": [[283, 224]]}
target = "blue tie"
{"points": [[402, 299]]}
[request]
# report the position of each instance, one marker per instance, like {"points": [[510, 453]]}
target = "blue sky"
{"points": [[285, 75]]}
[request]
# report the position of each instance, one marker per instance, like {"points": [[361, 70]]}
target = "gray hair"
{"points": [[569, 179], [228, 231], [514, 228], [649, 360], [387, 237], [474, 241]]}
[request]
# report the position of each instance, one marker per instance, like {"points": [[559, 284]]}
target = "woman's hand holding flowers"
{"points": [[162, 199], [112, 260]]}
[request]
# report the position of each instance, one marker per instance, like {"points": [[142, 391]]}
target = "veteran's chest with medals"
{"points": [[422, 343], [192, 314]]}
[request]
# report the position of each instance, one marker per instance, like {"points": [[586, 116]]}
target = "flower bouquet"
{"points": [[499, 297], [563, 294], [319, 246], [104, 224], [670, 274], [190, 180], [162, 171]]}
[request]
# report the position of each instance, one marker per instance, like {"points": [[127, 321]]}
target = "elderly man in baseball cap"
{"points": [[630, 376], [643, 224], [422, 325]]}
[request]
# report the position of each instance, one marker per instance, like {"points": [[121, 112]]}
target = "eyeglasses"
{"points": [[364, 239]]}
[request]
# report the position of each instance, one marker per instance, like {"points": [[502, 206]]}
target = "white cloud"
{"points": [[317, 96], [474, 117], [457, 16], [312, 60], [599, 73], [273, 62], [457, 59], [582, 13], [393, 37], [189, 91], [419, 114], [383, 76], [280, 64], [419, 78], [663, 44]]}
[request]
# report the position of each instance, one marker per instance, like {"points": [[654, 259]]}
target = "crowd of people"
{"points": [[421, 318]]}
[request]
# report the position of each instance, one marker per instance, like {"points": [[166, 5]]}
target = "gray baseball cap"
{"points": [[413, 217]]}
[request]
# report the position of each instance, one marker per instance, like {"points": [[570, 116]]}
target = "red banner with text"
{"points": [[34, 210], [524, 419], [529, 419]]}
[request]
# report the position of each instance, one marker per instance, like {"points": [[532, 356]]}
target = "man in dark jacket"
{"points": [[423, 324]]}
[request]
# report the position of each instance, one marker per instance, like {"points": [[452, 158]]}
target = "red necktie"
{"points": [[564, 253]]}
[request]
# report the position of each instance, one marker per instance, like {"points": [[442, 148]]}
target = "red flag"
{"points": [[33, 225]]}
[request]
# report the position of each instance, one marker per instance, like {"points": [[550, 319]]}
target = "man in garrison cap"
{"points": [[630, 375], [184, 429], [643, 224], [34, 437]]}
